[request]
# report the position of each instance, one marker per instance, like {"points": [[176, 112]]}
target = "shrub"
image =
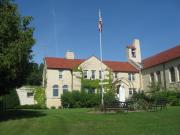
{"points": [[109, 97], [36, 106], [170, 96], [10, 100], [77, 99], [139, 101], [53, 107], [39, 96], [173, 98]]}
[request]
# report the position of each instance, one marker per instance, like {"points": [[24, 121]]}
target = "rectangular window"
{"points": [[130, 91], [172, 74], [100, 75], [29, 94], [158, 74], [134, 91], [152, 77], [116, 75], [85, 74], [131, 76], [93, 74], [60, 74], [55, 92], [65, 88], [91, 91]]}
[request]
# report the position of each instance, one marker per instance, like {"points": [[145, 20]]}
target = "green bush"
{"points": [[39, 96], [9, 101], [139, 101], [53, 107], [77, 99], [36, 106], [170, 97], [109, 97], [173, 98], [142, 101]]}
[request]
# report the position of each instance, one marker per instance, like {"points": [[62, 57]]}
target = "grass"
{"points": [[80, 122]]}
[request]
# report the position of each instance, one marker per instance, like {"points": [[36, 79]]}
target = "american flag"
{"points": [[100, 23]]}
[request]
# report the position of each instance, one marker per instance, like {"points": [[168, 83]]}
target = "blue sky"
{"points": [[62, 25]]}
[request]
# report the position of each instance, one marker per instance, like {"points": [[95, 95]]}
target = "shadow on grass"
{"points": [[20, 114]]}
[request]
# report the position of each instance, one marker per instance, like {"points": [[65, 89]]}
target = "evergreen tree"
{"points": [[35, 74], [16, 41]]}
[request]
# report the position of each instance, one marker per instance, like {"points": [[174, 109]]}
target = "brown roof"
{"points": [[131, 47], [162, 57], [120, 66], [62, 63]]}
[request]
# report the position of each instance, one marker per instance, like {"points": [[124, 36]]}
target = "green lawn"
{"points": [[80, 122]]}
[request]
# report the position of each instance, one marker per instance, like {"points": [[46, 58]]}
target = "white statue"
{"points": [[122, 93]]}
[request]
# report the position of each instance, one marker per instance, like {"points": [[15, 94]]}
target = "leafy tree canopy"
{"points": [[16, 41], [35, 74]]}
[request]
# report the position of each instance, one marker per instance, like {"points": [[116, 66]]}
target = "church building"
{"points": [[64, 74]]}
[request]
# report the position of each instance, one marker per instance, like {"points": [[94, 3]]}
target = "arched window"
{"points": [[178, 72], [65, 88], [172, 74], [55, 90], [152, 77], [158, 75]]}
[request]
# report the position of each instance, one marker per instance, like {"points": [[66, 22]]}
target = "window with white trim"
{"points": [[131, 76], [100, 74], [90, 90], [65, 88], [172, 74], [85, 74], [116, 75], [60, 74], [132, 91], [178, 72], [158, 75], [30, 94], [93, 76], [151, 77], [55, 90]]}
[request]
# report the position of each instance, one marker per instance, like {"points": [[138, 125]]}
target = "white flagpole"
{"points": [[102, 75]]}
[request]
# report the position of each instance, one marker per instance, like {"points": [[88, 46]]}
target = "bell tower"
{"points": [[134, 51]]}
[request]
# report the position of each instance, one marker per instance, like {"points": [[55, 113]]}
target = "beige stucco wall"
{"points": [[146, 74], [94, 64], [52, 76], [129, 84]]}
